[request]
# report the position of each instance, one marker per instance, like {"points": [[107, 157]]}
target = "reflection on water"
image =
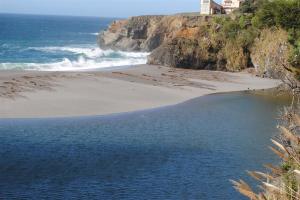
{"points": [[187, 151]]}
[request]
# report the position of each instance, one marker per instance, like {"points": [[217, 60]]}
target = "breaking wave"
{"points": [[80, 58], [68, 65], [91, 52]]}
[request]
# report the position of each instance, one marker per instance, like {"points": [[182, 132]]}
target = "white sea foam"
{"points": [[78, 65], [91, 52], [88, 58], [88, 52], [88, 33]]}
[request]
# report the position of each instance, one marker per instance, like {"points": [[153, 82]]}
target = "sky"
{"points": [[102, 8]]}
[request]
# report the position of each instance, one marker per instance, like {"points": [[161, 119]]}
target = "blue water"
{"points": [[57, 43], [187, 151]]}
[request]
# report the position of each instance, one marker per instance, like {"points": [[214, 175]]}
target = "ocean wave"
{"points": [[91, 52], [88, 52], [88, 33], [78, 65], [77, 58]]}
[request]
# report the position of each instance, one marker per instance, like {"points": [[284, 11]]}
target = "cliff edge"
{"points": [[193, 41], [172, 40]]}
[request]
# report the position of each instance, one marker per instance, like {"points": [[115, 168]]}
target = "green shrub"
{"points": [[233, 36], [283, 13], [250, 6]]}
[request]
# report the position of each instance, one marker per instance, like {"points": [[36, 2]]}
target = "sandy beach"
{"points": [[32, 94]]}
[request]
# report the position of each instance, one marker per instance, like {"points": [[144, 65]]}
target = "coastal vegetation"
{"points": [[273, 38], [261, 21], [263, 34]]}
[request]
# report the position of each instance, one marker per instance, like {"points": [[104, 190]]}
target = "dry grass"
{"points": [[281, 182]]}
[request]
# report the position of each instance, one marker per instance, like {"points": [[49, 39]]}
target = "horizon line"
{"points": [[87, 16], [59, 15]]}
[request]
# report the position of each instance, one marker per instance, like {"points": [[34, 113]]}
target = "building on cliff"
{"points": [[210, 7]]}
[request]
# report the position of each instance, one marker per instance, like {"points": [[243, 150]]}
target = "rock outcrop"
{"points": [[191, 41], [136, 34], [190, 47], [177, 40]]}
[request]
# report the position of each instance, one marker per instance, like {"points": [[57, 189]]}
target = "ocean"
{"points": [[57, 43]]}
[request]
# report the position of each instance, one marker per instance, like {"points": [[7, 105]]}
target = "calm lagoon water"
{"points": [[187, 151]]}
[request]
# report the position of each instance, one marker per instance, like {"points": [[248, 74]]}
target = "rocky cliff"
{"points": [[177, 41], [198, 42], [136, 34], [144, 33]]}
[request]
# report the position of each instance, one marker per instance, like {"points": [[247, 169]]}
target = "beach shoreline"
{"points": [[36, 94]]}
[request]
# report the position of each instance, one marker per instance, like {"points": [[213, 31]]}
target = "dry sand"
{"points": [[64, 94]]}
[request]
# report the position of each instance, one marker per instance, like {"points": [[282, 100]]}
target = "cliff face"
{"points": [[143, 33], [191, 46], [135, 34], [177, 41], [193, 42]]}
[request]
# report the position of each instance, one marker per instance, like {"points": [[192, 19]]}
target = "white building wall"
{"points": [[230, 5], [236, 3], [205, 6]]}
